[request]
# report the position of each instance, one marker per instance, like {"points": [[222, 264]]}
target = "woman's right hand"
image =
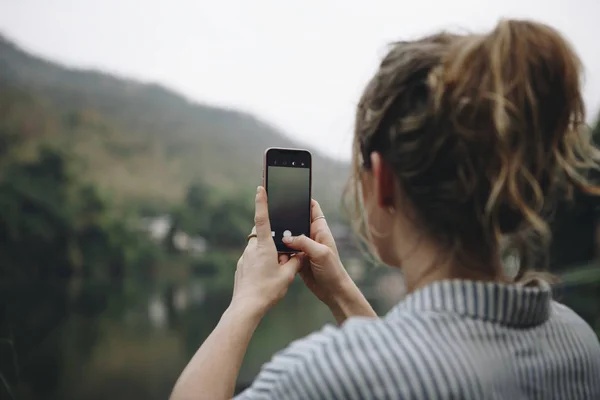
{"points": [[323, 272]]}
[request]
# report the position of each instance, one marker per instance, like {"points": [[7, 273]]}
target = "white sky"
{"points": [[299, 64]]}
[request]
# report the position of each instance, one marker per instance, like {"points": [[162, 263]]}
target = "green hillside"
{"points": [[142, 141]]}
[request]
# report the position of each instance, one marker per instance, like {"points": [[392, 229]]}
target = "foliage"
{"points": [[224, 221], [53, 227], [57, 227], [573, 228], [573, 253]]}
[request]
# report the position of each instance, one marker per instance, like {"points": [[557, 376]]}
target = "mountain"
{"points": [[144, 141]]}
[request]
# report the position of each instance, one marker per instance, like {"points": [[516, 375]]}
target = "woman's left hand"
{"points": [[262, 276], [261, 279]]}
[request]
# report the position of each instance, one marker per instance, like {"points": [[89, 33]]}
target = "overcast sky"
{"points": [[299, 64]]}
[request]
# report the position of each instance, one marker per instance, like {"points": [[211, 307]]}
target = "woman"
{"points": [[462, 142]]}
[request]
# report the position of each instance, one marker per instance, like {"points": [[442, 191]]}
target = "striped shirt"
{"points": [[449, 340]]}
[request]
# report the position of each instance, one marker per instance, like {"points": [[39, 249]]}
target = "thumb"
{"points": [[306, 245]]}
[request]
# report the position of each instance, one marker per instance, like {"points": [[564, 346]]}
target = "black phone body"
{"points": [[287, 178]]}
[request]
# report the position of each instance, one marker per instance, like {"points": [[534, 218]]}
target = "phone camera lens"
{"points": [[293, 163], [302, 164]]}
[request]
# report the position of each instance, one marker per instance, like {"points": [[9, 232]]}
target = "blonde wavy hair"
{"points": [[485, 133]]}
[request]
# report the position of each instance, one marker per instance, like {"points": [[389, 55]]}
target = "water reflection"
{"points": [[96, 340], [157, 312], [131, 340]]}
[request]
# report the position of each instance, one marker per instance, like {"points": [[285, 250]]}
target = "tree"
{"points": [[195, 216], [54, 226], [230, 223]]}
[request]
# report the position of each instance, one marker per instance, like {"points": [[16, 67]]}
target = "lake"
{"points": [[81, 339]]}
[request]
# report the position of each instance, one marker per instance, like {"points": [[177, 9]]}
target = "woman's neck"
{"points": [[428, 264]]}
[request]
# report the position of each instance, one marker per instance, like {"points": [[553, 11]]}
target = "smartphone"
{"points": [[287, 178]]}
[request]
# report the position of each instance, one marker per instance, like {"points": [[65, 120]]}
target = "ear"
{"points": [[384, 181]]}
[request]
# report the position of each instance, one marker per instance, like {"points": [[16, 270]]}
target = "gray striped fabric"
{"points": [[449, 340]]}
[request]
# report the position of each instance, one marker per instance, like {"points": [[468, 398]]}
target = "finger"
{"points": [[315, 209], [320, 226], [319, 223], [306, 245], [292, 267], [261, 216], [304, 264], [252, 241], [283, 258], [304, 260]]}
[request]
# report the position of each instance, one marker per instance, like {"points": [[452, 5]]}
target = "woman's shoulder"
{"points": [[349, 361], [358, 336], [329, 338], [572, 324]]}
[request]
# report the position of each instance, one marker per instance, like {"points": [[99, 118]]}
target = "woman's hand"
{"points": [[262, 277], [322, 269], [260, 281], [323, 272]]}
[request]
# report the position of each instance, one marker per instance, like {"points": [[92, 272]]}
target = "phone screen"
{"points": [[288, 185]]}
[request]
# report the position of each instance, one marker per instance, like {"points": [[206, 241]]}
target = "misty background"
{"points": [[301, 65], [131, 142]]}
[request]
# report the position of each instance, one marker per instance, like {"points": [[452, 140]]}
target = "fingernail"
{"points": [[258, 190], [287, 239]]}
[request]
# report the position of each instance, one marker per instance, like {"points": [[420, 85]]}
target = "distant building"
{"points": [[198, 245], [157, 227], [183, 242]]}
